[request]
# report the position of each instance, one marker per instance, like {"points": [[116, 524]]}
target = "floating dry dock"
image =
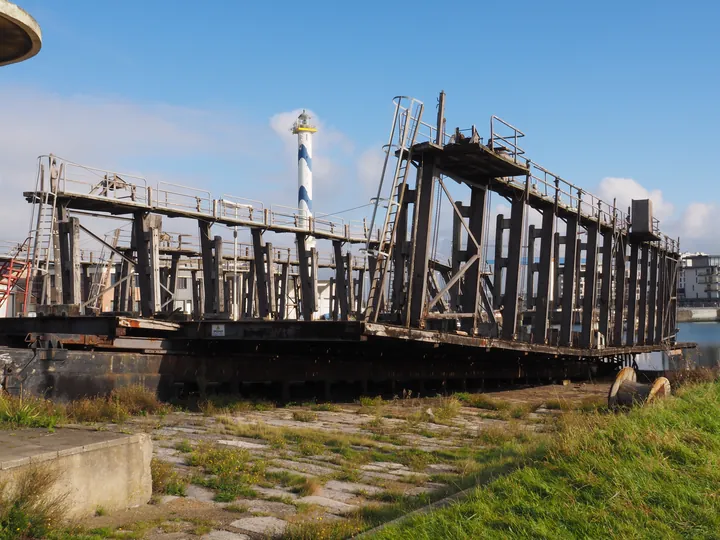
{"points": [[593, 285]]}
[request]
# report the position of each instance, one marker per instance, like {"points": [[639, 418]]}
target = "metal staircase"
{"points": [[12, 271], [403, 134]]}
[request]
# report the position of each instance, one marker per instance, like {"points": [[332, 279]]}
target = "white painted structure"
{"points": [[304, 130]]}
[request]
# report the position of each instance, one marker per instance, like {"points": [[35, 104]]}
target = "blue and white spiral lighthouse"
{"points": [[304, 131]]}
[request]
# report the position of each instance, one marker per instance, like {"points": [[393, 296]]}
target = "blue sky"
{"points": [[200, 91]]}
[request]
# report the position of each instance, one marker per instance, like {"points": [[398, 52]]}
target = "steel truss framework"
{"points": [[583, 301]]}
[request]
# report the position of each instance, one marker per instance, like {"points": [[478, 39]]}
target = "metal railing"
{"points": [[132, 189]]}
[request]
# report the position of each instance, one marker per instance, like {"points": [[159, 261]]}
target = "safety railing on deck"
{"points": [[91, 181]]}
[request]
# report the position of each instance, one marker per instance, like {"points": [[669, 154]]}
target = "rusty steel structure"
{"points": [[571, 281]]}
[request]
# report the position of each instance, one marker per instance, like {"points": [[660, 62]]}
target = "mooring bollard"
{"points": [[626, 391]]}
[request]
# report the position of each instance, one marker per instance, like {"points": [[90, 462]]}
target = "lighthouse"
{"points": [[304, 131]]}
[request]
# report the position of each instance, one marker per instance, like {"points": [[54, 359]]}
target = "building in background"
{"points": [[699, 279]]}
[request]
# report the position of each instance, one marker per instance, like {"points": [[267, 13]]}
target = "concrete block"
{"points": [[102, 469]]}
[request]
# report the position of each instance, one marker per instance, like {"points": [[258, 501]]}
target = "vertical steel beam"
{"points": [[360, 292], [197, 290], [422, 227], [147, 243], [569, 285], [531, 268], [512, 281], [606, 280], [588, 314], [661, 290], [652, 297], [219, 274], [69, 243], [270, 276], [555, 277], [469, 300], [126, 285], [632, 295], [579, 248], [349, 273], [543, 299], [457, 255], [499, 262], [172, 280], [284, 291], [307, 297], [341, 287], [400, 254], [260, 273], [209, 278], [642, 303], [620, 260]]}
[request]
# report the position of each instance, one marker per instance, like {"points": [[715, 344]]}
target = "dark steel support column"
{"points": [[360, 292], [209, 277], [284, 291], [146, 235], [270, 277], [588, 314], [341, 286], [643, 304], [532, 267], [422, 227], [569, 285], [606, 279], [349, 275], [512, 281], [69, 243], [198, 292], [555, 300], [500, 225], [469, 299], [632, 295], [652, 298], [260, 273], [620, 260], [307, 299], [543, 299], [400, 255], [661, 290]]}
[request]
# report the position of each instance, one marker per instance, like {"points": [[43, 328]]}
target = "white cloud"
{"points": [[624, 190]]}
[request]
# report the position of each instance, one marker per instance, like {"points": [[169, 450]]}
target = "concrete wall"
{"points": [[95, 469]]}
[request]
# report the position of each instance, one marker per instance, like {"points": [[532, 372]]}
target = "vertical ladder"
{"points": [[43, 231], [12, 271], [403, 134]]}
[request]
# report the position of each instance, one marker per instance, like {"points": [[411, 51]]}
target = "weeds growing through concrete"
{"points": [[27, 507], [166, 480]]}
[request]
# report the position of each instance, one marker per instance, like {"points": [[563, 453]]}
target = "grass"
{"points": [[19, 411], [321, 528], [481, 401], [166, 480], [304, 416], [26, 508], [230, 404], [232, 473], [649, 474]]}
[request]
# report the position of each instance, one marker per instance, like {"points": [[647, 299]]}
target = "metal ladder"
{"points": [[12, 271], [403, 134], [43, 235]]}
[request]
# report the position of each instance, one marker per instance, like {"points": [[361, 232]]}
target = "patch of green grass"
{"points": [[166, 480], [321, 528], [481, 401], [446, 409], [602, 476], [327, 407], [232, 473], [27, 510], [184, 446], [236, 508], [16, 412]]}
